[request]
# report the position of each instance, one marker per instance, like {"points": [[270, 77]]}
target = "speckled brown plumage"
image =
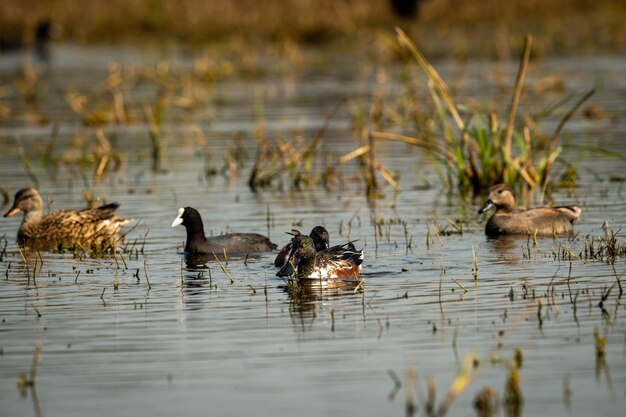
{"points": [[510, 220], [92, 229]]}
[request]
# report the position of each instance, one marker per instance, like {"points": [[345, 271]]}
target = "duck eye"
{"points": [[500, 191]]}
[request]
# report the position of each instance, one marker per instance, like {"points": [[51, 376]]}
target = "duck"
{"points": [[304, 262], [510, 220], [320, 237], [232, 243], [92, 228]]}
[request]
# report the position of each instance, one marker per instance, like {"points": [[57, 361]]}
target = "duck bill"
{"points": [[12, 212], [289, 268], [486, 207]]}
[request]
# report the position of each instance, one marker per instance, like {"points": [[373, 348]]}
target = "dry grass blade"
{"points": [[417, 142], [442, 90], [557, 132], [465, 377], [223, 268], [519, 84], [353, 154], [433, 75]]}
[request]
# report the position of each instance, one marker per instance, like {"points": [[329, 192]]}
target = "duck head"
{"points": [[27, 200], [302, 252], [501, 197], [320, 237]]}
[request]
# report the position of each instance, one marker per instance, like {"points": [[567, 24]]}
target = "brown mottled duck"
{"points": [[95, 229]]}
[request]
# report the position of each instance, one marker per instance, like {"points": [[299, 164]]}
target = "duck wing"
{"points": [[69, 228], [547, 220], [283, 255], [571, 212], [338, 262]]}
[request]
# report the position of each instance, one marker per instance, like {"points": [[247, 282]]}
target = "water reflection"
{"points": [[201, 325], [306, 295], [26, 383], [33, 395], [198, 262], [509, 248]]}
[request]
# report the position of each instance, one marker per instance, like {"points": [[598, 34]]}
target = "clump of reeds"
{"points": [[607, 247], [467, 373], [297, 164], [288, 163], [483, 151]]}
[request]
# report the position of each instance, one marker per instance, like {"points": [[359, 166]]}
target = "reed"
{"points": [[467, 374], [599, 343], [28, 381], [397, 384], [475, 268], [4, 243], [155, 135], [484, 152], [145, 271], [223, 268], [25, 162], [513, 398]]}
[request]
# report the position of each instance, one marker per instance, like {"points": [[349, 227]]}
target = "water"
{"points": [[197, 343]]}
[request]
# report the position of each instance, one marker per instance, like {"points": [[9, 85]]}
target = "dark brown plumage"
{"points": [[93, 229], [320, 237]]}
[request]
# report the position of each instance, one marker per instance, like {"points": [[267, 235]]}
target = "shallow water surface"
{"points": [[154, 334]]}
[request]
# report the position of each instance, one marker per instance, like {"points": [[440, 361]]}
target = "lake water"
{"points": [[193, 342]]}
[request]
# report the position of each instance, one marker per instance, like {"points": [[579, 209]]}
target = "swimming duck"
{"points": [[335, 262], [320, 237], [509, 220], [232, 243], [93, 228]]}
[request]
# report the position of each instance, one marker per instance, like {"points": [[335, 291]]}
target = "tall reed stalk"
{"points": [[484, 152]]}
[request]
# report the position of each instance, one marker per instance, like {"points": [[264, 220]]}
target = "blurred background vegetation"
{"points": [[462, 27]]}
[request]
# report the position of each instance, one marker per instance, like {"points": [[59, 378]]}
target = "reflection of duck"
{"points": [[232, 243], [305, 296], [509, 220], [320, 237], [339, 261], [95, 228]]}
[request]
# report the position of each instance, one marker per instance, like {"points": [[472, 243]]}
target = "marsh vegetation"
{"points": [[443, 321]]}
